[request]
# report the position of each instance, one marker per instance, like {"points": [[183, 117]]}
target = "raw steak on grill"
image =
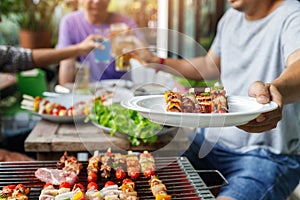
{"points": [[55, 176]]}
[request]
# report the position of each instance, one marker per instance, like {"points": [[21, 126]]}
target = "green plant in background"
{"points": [[30, 14], [9, 33]]}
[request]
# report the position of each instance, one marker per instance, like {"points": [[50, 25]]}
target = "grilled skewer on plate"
{"points": [[44, 106], [210, 100]]}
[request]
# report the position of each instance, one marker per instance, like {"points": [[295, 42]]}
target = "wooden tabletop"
{"points": [[49, 140]]}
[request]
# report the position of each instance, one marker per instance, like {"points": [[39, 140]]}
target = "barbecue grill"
{"points": [[179, 176]]}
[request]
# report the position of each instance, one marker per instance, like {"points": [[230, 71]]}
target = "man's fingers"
{"points": [[260, 91], [276, 96], [265, 121]]}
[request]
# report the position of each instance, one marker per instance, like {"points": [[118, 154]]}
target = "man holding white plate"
{"points": [[257, 45]]}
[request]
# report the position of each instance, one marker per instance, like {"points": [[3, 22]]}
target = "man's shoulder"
{"points": [[74, 15], [116, 17], [232, 12]]}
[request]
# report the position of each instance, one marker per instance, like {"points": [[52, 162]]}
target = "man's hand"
{"points": [[89, 44], [264, 93], [142, 51]]}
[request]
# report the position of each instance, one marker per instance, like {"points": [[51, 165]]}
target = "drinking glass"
{"points": [[121, 40], [103, 55]]}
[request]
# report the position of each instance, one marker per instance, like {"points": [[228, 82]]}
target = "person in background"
{"points": [[15, 59], [256, 52], [74, 27]]}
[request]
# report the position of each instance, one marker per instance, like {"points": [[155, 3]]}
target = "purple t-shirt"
{"points": [[74, 28]]}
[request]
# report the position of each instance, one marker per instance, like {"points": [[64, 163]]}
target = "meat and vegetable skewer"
{"points": [[128, 190], [69, 163], [106, 164], [210, 100], [18, 191], [44, 106], [49, 192], [119, 164], [147, 164], [133, 165], [158, 189], [110, 191], [93, 167]]}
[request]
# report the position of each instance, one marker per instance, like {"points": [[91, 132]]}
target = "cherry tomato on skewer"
{"points": [[148, 173], [127, 180], [109, 183], [120, 174], [64, 185], [92, 177], [80, 186], [134, 174], [92, 184]]}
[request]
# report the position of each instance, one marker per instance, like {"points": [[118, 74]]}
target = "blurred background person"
{"points": [[74, 27], [16, 59]]}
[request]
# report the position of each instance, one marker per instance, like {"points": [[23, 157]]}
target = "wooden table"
{"points": [[49, 140]]}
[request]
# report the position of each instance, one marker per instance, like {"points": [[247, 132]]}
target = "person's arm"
{"points": [[283, 90], [42, 57], [8, 156], [199, 68], [66, 72], [288, 83], [15, 59]]}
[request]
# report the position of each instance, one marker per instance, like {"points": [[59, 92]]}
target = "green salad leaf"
{"points": [[125, 121]]}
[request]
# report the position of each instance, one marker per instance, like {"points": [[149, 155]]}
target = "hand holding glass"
{"points": [[103, 55], [121, 40]]}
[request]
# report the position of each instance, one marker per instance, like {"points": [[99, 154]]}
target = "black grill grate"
{"points": [[179, 176]]}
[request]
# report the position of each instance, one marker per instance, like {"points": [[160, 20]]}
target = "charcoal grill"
{"points": [[179, 176]]}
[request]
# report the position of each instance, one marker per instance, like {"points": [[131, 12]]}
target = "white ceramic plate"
{"points": [[67, 100], [241, 111], [62, 119], [112, 83]]}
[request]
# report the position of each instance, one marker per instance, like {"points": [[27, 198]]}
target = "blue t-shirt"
{"points": [[74, 28], [258, 50]]}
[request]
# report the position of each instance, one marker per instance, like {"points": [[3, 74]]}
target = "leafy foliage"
{"points": [[30, 14], [129, 122]]}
